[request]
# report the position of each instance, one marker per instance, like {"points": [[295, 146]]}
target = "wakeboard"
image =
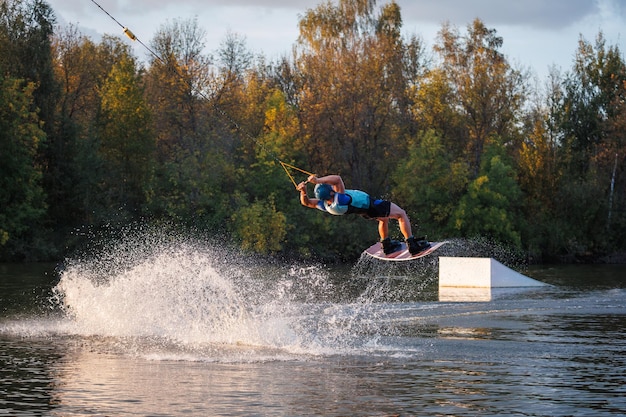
{"points": [[402, 254]]}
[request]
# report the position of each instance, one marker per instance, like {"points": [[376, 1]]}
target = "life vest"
{"points": [[352, 201]]}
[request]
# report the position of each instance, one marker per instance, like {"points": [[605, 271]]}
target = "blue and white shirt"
{"points": [[352, 201]]}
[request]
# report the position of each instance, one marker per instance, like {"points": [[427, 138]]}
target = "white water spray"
{"points": [[188, 296], [175, 293], [169, 297]]}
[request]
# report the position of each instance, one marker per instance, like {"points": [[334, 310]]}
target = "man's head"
{"points": [[323, 191]]}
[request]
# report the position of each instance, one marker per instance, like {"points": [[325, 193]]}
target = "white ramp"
{"points": [[479, 279], [480, 273]]}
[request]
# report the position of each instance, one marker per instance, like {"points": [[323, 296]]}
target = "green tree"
{"points": [[126, 139], [592, 149], [25, 53], [26, 29], [430, 183], [197, 188], [22, 206], [491, 207], [592, 99], [485, 90], [260, 227]]}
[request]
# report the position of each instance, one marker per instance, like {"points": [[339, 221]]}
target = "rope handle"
{"points": [[286, 165]]}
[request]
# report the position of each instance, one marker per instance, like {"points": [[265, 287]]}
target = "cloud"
{"points": [[78, 7], [538, 14], [133, 6]]}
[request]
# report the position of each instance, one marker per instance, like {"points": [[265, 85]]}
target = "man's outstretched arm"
{"points": [[334, 181]]}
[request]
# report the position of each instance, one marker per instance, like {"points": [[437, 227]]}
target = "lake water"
{"points": [[168, 330]]}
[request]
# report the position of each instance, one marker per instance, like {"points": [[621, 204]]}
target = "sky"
{"points": [[537, 34]]}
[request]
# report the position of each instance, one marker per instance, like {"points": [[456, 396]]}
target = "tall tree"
{"points": [[25, 38], [492, 205], [353, 67], [540, 173], [126, 139], [22, 206], [195, 144], [174, 81], [592, 148], [78, 70], [240, 92], [486, 91], [80, 67], [26, 29], [593, 100]]}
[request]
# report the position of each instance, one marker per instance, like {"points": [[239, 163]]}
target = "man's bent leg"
{"points": [[403, 220]]}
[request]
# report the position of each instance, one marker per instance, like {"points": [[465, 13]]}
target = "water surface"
{"points": [[185, 330]]}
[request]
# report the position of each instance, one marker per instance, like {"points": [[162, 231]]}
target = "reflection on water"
{"points": [[178, 332]]}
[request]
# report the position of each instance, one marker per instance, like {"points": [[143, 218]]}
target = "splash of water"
{"points": [[175, 293], [173, 297], [148, 292]]}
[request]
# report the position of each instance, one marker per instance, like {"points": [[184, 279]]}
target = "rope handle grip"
{"points": [[286, 165]]}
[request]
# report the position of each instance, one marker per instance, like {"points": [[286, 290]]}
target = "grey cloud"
{"points": [[79, 7], [208, 4], [540, 14], [550, 14], [544, 14]]}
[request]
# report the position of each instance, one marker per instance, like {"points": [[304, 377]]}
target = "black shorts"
{"points": [[377, 208]]}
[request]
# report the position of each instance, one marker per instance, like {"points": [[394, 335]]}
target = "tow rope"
{"points": [[230, 120]]}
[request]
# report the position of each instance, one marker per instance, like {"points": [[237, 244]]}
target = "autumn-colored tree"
{"points": [[260, 226], [485, 90], [79, 70], [177, 77], [87, 134], [193, 148], [126, 139], [435, 108], [262, 128], [468, 104], [540, 173], [241, 89], [353, 67]]}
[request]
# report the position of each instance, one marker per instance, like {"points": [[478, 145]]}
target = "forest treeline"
{"points": [[94, 137]]}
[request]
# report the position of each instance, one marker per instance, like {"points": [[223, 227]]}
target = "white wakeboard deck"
{"points": [[403, 254]]}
